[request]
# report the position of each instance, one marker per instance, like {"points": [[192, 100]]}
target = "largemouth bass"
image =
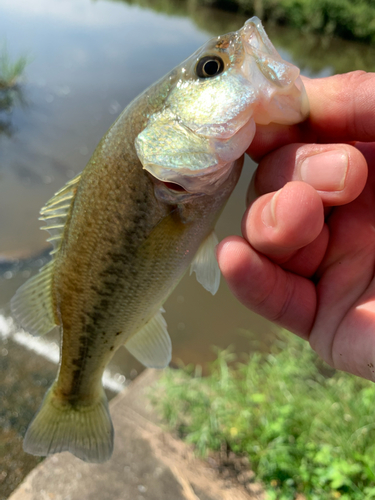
{"points": [[143, 210]]}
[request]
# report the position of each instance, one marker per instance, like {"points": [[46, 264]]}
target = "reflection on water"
{"points": [[6, 127], [89, 60], [11, 94], [9, 99]]}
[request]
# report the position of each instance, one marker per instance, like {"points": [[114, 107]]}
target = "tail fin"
{"points": [[85, 431]]}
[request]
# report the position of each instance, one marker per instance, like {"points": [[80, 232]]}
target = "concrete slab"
{"points": [[147, 463]]}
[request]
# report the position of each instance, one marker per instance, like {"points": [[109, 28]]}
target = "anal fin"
{"points": [[152, 345]]}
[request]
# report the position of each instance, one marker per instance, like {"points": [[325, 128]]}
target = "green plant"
{"points": [[304, 428], [10, 76], [10, 72]]}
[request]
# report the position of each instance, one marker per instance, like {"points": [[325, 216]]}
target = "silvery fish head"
{"points": [[209, 116]]}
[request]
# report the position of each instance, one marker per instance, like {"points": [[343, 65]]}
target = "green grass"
{"points": [[304, 428], [10, 72]]}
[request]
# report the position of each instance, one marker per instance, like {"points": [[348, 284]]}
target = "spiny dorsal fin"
{"points": [[205, 264], [152, 345], [56, 210], [32, 305]]}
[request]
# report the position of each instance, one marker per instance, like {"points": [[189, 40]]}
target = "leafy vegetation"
{"points": [[345, 18], [349, 19], [305, 428]]}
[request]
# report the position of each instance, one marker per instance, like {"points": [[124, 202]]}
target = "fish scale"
{"points": [[143, 210]]}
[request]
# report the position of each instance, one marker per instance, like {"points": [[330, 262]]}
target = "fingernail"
{"points": [[326, 171], [269, 211]]}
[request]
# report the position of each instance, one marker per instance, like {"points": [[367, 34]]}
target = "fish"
{"points": [[143, 210]]}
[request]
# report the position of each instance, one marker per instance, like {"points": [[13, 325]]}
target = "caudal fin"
{"points": [[85, 431]]}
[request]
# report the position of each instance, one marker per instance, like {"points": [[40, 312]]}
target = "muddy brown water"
{"points": [[88, 60]]}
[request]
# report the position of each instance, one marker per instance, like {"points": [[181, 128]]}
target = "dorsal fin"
{"points": [[32, 305], [55, 212]]}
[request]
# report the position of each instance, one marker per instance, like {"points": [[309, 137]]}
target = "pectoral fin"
{"points": [[152, 345], [205, 264]]}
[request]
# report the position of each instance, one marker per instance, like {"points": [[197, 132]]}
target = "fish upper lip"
{"points": [[259, 42]]}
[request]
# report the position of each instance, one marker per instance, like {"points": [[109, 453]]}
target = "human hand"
{"points": [[306, 259]]}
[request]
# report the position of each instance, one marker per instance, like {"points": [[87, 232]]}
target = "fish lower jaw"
{"points": [[199, 183]]}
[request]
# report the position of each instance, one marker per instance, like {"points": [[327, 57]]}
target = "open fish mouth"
{"points": [[282, 96], [209, 118]]}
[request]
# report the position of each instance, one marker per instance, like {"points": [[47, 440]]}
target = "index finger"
{"points": [[342, 109]]}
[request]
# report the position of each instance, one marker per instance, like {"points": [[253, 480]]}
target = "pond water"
{"points": [[87, 61]]}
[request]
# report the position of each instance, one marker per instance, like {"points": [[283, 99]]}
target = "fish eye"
{"points": [[209, 66]]}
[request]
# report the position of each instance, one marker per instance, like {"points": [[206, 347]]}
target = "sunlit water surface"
{"points": [[88, 60]]}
